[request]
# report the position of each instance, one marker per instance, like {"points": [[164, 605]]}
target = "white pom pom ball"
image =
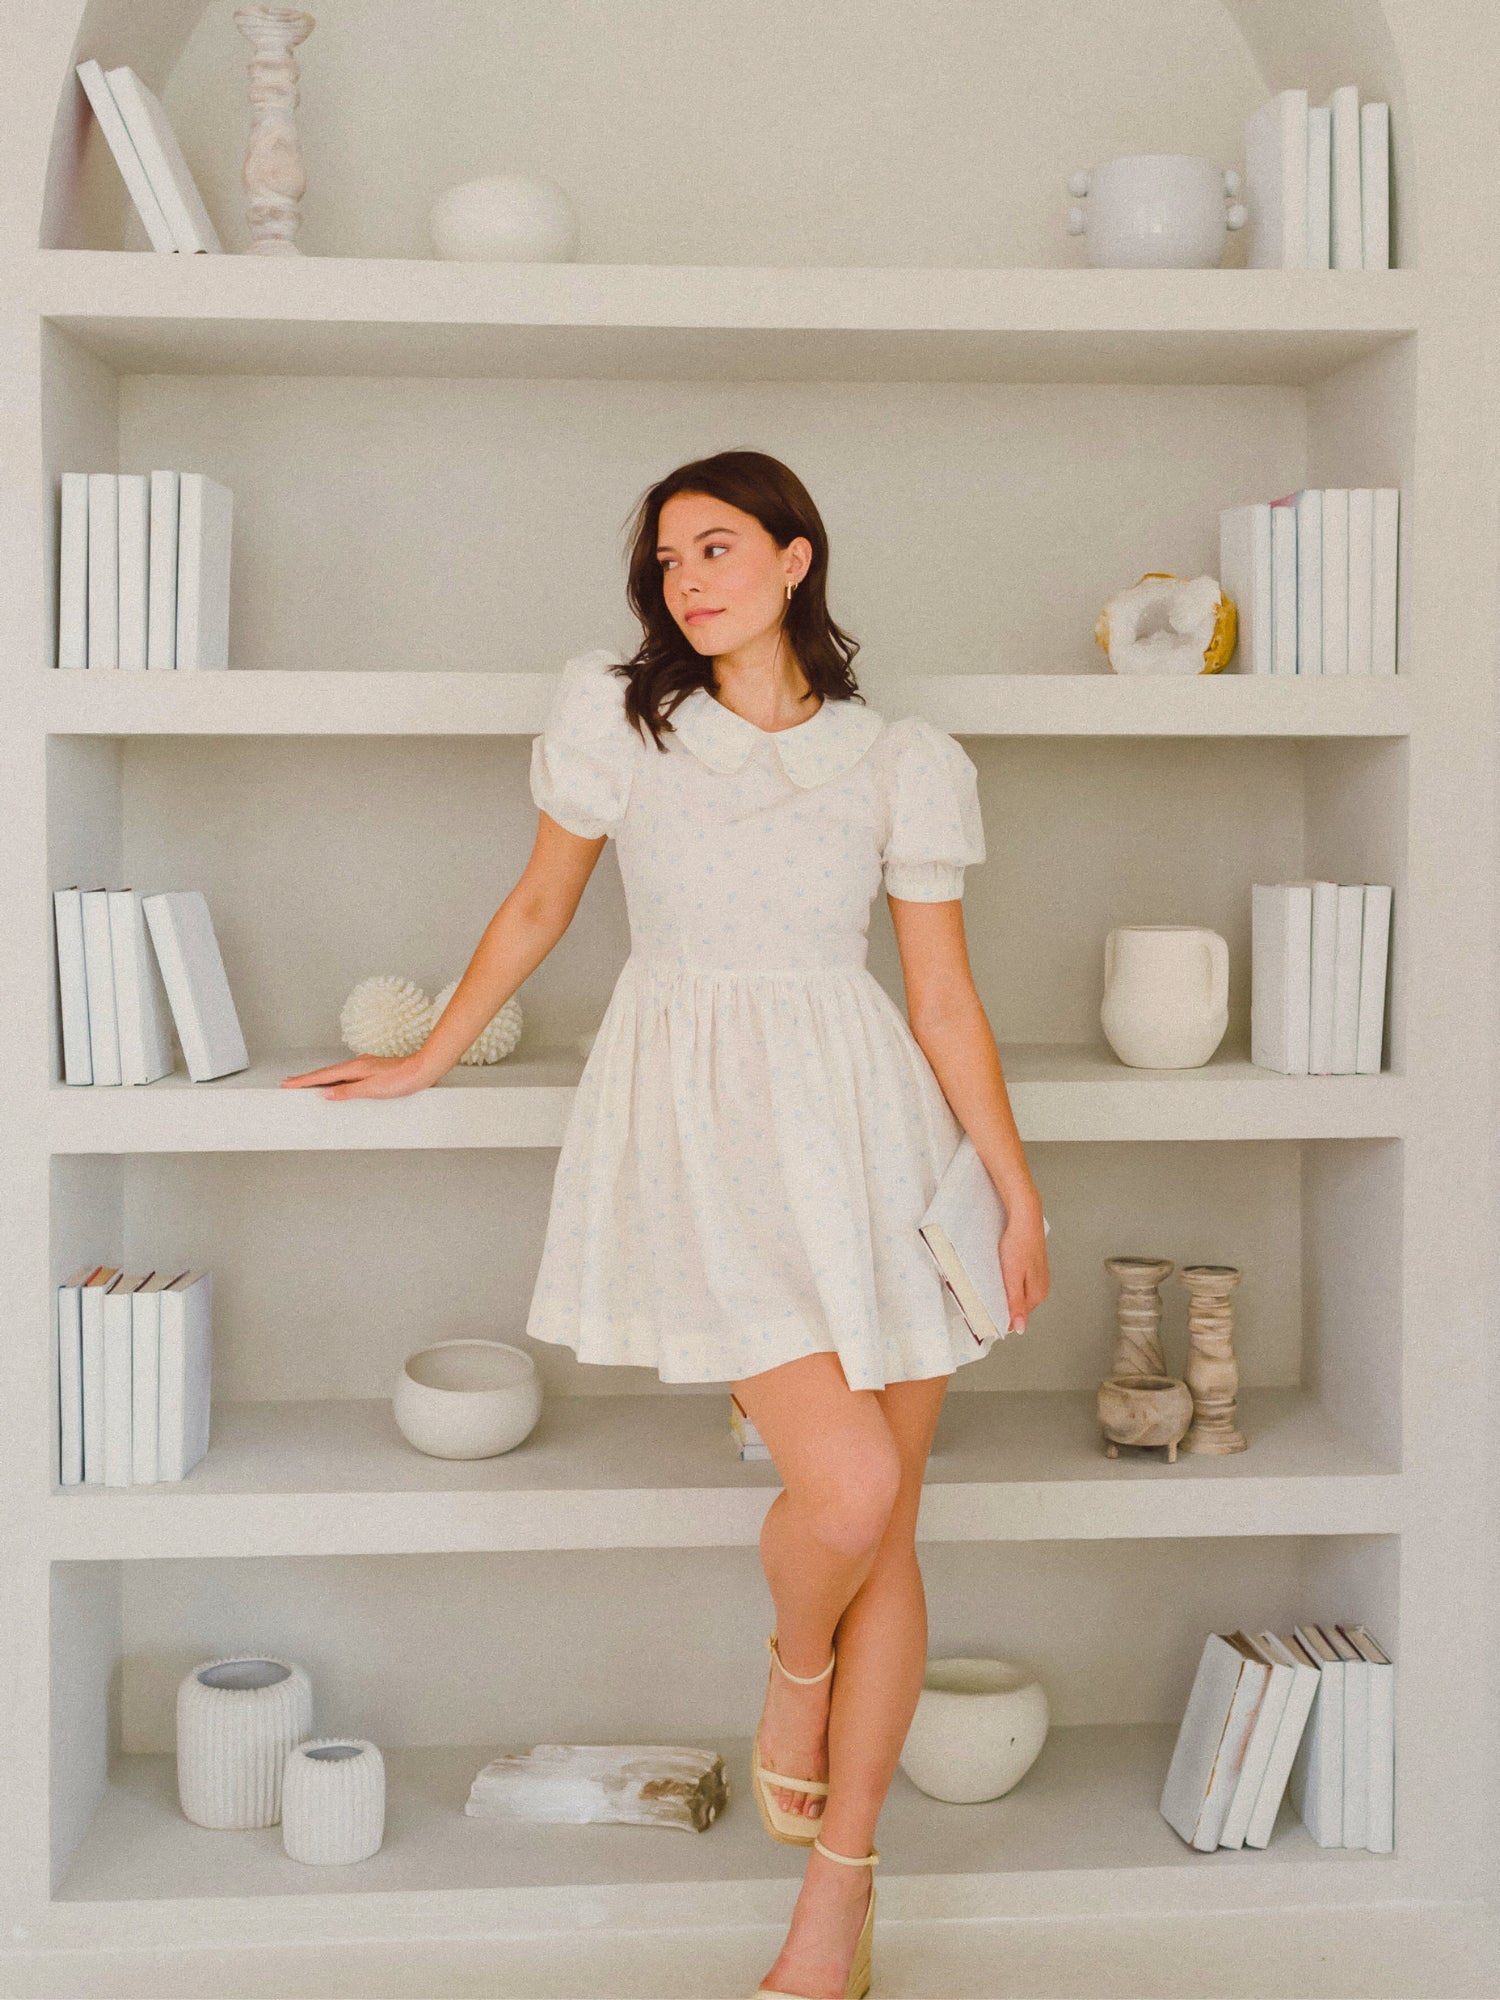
{"points": [[385, 1016]]}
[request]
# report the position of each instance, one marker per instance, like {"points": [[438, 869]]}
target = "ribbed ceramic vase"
{"points": [[333, 1800], [236, 1720]]}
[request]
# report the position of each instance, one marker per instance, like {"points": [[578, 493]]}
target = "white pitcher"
{"points": [[1166, 994]]}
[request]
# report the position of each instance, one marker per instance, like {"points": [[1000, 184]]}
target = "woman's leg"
{"points": [[840, 1473]]}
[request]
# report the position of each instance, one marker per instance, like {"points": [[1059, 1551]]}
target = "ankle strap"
{"points": [[854, 1860], [806, 1679]]}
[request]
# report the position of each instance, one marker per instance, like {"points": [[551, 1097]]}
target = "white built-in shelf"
{"points": [[1058, 1090], [661, 1471], [276, 703], [709, 322], [1090, 1801]]}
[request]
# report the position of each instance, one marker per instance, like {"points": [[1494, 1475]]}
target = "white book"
{"points": [[99, 971], [1211, 1740], [1245, 578], [1380, 1823], [1385, 542], [134, 574], [141, 1009], [1335, 579], [1349, 922], [961, 1227], [1323, 963], [104, 570], [70, 1376], [1374, 955], [91, 1361], [161, 156], [1356, 1735], [145, 1331], [73, 572], [192, 969], [72, 986], [1316, 1779], [204, 533], [1284, 585], [1309, 505], [161, 620], [1258, 1749], [1346, 211], [1299, 1701], [1375, 185], [186, 1383], [1276, 183], [1280, 975], [127, 158], [1319, 187], [1361, 558], [118, 1386]]}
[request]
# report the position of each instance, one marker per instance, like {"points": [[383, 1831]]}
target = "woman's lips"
{"points": [[694, 617]]}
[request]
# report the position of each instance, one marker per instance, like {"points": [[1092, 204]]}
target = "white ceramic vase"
{"points": [[1166, 994], [467, 1398], [978, 1729], [1157, 210], [505, 219], [333, 1800], [236, 1721]]}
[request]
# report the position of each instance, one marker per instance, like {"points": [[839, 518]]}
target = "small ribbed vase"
{"points": [[236, 1720], [333, 1800]]}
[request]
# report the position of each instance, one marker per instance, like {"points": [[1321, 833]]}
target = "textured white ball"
{"points": [[385, 1016], [507, 219], [492, 1044]]}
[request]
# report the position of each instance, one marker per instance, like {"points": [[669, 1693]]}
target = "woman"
{"points": [[758, 1129]]}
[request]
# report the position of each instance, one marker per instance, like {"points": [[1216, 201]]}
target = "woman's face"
{"points": [[722, 576]]}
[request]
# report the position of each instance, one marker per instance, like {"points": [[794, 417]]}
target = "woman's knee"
{"points": [[850, 1511]]}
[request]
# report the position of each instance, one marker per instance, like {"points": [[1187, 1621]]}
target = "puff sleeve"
{"points": [[583, 761], [935, 826]]}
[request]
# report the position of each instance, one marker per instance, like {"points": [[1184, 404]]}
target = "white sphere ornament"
{"points": [[978, 1728], [385, 1016], [333, 1800], [493, 1043], [236, 1721], [467, 1398], [505, 219]]}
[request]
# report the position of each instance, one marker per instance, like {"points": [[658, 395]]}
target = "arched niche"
{"points": [[70, 196]]}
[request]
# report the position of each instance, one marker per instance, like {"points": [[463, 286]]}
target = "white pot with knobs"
{"points": [[1156, 210], [978, 1728]]}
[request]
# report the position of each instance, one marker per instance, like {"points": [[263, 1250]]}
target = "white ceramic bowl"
{"points": [[978, 1728], [505, 219], [467, 1398]]}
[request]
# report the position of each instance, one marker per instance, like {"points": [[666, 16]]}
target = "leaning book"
{"points": [[962, 1228]]}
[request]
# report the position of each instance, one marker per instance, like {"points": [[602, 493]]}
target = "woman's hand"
{"points": [[366, 1076], [1023, 1258]]}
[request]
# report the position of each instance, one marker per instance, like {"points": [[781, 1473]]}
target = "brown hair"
{"points": [[665, 667]]}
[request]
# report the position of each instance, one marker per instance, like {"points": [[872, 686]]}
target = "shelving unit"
{"points": [[430, 462]]}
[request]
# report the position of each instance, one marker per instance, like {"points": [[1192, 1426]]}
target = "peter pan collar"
{"points": [[810, 752]]}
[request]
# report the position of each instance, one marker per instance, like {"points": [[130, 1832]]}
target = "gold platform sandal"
{"points": [[858, 1982], [782, 1824]]}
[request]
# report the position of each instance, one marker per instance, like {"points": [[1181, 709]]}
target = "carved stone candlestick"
{"points": [[1211, 1373], [1138, 1349], [273, 174]]}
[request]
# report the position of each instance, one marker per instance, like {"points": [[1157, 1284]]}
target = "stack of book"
{"points": [[143, 570], [1312, 577], [1318, 957], [150, 160], [1318, 183], [742, 1430], [1312, 1713], [115, 984], [134, 1368]]}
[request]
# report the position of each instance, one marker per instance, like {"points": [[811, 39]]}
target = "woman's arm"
{"points": [[951, 1029], [519, 936]]}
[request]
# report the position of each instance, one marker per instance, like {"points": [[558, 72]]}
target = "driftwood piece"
{"points": [[574, 1784]]}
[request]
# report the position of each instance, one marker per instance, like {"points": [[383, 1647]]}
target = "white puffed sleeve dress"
{"points": [[756, 1132]]}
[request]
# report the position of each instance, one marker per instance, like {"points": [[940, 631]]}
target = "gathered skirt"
{"points": [[740, 1180]]}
